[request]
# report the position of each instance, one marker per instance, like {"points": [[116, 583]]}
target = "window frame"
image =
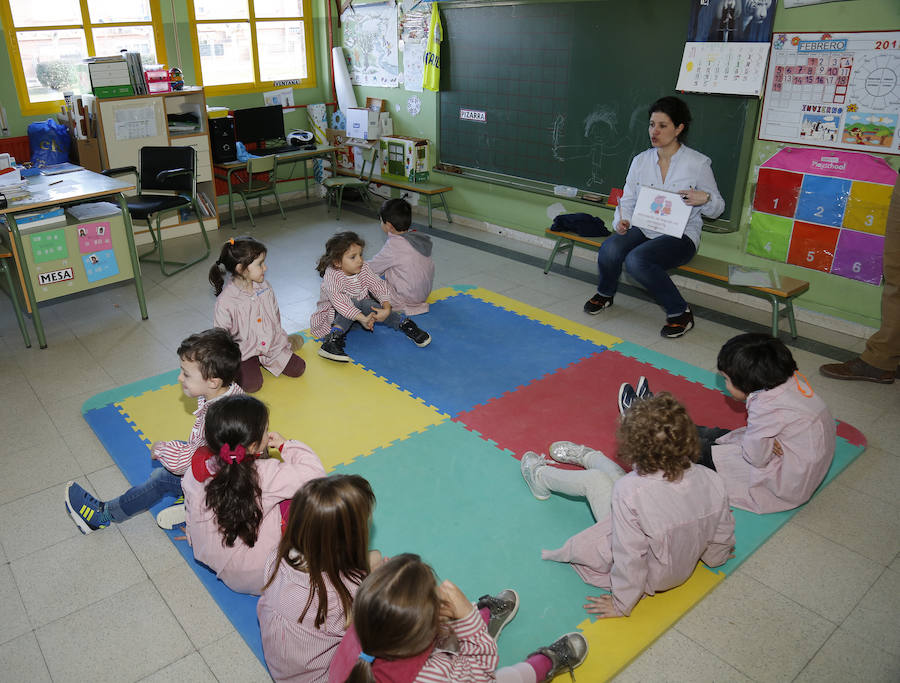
{"points": [[257, 85], [29, 108]]}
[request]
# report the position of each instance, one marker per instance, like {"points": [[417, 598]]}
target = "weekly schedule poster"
{"points": [[837, 90]]}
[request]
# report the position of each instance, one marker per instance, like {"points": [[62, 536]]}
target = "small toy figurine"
{"points": [[176, 78]]}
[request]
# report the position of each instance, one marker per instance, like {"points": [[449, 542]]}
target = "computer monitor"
{"points": [[256, 124]]}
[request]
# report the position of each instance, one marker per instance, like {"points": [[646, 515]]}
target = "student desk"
{"points": [[57, 261], [426, 189], [226, 171]]}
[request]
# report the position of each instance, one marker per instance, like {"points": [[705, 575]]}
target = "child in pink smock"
{"points": [[779, 459], [233, 491], [408, 629], [246, 307], [664, 516], [351, 293], [405, 259], [313, 575]]}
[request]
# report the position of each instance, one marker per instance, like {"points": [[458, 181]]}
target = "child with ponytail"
{"points": [[408, 629], [323, 557], [247, 308], [233, 491]]}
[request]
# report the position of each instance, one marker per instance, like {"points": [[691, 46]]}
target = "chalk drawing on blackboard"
{"points": [[600, 139]]}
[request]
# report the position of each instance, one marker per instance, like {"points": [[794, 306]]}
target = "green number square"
{"points": [[769, 236]]}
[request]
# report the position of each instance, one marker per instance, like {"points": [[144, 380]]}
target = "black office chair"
{"points": [[170, 175]]}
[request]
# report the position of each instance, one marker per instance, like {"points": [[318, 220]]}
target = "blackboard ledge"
{"points": [[546, 189]]}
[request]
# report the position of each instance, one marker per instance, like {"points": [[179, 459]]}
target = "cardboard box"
{"points": [[404, 157], [362, 123], [88, 151], [387, 123]]}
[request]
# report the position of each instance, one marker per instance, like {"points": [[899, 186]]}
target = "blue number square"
{"points": [[823, 200]]}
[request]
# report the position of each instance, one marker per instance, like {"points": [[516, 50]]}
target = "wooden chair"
{"points": [[335, 185], [7, 269], [262, 181]]}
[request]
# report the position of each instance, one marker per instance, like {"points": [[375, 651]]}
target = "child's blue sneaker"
{"points": [[86, 511]]}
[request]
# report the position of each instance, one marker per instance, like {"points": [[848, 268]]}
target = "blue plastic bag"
{"points": [[49, 142]]}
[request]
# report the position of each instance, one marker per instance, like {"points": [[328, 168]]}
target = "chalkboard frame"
{"points": [[735, 195]]}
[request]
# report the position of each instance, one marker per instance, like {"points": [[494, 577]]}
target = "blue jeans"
{"points": [[159, 484], [366, 305], [647, 262]]}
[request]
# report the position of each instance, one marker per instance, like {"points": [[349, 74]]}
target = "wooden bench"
{"points": [[706, 270], [427, 189]]}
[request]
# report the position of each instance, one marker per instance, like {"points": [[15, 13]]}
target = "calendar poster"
{"points": [[725, 68], [837, 90], [823, 209]]}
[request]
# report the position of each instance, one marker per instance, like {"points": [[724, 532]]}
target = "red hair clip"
{"points": [[230, 456], [231, 241]]}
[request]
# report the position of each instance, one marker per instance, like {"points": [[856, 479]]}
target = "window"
{"points": [[242, 45], [47, 41]]}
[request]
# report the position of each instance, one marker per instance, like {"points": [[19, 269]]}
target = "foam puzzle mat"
{"points": [[439, 431]]}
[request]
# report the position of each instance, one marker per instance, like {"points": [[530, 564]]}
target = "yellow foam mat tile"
{"points": [[614, 643], [560, 323], [341, 410]]}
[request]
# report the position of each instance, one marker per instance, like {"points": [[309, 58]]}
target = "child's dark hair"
{"points": [[658, 434], [677, 110], [755, 361], [335, 248], [327, 536], [235, 423], [239, 251], [395, 613], [397, 212], [215, 352]]}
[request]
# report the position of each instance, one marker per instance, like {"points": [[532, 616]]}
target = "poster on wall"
{"points": [[837, 90], [823, 209], [370, 39]]}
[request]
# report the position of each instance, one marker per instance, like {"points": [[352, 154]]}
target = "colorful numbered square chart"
{"points": [[823, 209]]}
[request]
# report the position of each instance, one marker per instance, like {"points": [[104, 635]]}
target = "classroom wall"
{"points": [[832, 295], [507, 208]]}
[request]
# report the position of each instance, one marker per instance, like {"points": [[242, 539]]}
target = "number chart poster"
{"points": [[837, 90], [823, 209]]}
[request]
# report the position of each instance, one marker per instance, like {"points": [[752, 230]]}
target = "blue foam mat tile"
{"points": [[455, 372], [461, 503]]}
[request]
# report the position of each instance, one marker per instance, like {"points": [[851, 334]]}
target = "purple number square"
{"points": [[859, 256]]}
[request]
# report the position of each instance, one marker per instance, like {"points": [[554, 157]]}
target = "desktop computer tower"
{"points": [[221, 140]]}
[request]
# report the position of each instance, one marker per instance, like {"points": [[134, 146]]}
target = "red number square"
{"points": [[813, 246], [777, 192]]}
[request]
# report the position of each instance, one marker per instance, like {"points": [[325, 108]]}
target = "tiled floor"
{"points": [[819, 602]]}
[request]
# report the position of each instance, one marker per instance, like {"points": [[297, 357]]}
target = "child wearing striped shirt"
{"points": [[352, 293], [210, 363], [313, 575], [408, 629]]}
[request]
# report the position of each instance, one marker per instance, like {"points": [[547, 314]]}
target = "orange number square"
{"points": [[813, 246]]}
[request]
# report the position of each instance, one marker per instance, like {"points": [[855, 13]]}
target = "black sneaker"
{"points": [[333, 347], [627, 397], [597, 303], [566, 654], [677, 326], [503, 608], [419, 337], [642, 389]]}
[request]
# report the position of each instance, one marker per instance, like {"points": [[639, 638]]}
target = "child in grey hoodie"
{"points": [[405, 259]]}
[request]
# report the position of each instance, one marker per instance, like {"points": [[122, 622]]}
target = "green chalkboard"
{"points": [[563, 90]]}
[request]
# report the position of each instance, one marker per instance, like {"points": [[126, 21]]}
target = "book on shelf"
{"points": [[206, 206], [51, 217]]}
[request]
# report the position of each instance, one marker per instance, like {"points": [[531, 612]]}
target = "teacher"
{"points": [[670, 165]]}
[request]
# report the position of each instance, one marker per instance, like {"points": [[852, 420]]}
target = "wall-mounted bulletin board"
{"points": [[558, 93]]}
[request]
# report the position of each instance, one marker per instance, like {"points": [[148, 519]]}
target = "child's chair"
{"points": [[334, 186], [261, 181]]}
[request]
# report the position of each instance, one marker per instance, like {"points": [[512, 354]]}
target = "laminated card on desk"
{"points": [[660, 210]]}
